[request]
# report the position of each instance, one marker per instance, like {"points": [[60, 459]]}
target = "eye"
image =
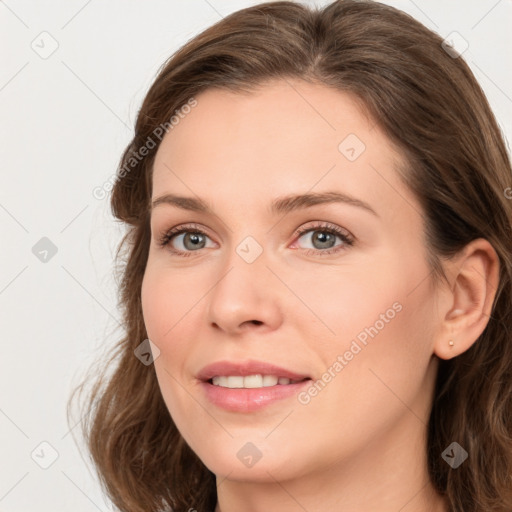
{"points": [[323, 238], [191, 237], [322, 235]]}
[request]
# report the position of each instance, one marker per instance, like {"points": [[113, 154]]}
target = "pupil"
{"points": [[195, 238], [323, 238]]}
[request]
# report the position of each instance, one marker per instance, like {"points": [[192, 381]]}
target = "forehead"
{"points": [[286, 136]]}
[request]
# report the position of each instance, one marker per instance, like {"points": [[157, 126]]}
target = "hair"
{"points": [[432, 109]]}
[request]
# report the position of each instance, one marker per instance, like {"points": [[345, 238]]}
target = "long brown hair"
{"points": [[429, 104]]}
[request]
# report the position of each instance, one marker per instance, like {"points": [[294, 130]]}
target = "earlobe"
{"points": [[473, 284]]}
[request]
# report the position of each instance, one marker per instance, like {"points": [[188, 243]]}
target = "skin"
{"points": [[359, 444]]}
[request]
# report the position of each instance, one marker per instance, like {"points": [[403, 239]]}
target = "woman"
{"points": [[320, 251]]}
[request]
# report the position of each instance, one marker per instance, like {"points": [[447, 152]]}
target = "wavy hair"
{"points": [[430, 105]]}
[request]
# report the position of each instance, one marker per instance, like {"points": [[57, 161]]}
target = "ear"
{"points": [[466, 304]]}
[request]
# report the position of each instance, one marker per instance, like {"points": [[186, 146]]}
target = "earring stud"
{"points": [[451, 343]]}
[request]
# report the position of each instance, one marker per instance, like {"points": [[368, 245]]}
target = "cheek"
{"points": [[167, 296], [345, 301], [162, 308], [381, 297], [153, 302], [171, 308], [378, 315], [383, 367], [165, 316]]}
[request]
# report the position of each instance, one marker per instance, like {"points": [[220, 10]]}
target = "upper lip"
{"points": [[244, 368]]}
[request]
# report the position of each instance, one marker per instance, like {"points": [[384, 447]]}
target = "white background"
{"points": [[65, 121]]}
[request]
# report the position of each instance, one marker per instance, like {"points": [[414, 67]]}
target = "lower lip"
{"points": [[250, 399]]}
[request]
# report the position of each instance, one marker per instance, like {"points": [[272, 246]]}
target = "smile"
{"points": [[247, 386], [251, 381]]}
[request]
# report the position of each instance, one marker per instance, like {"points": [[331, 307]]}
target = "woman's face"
{"points": [[333, 290]]}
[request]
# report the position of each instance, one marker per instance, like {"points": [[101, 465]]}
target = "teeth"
{"points": [[235, 382], [220, 381], [269, 380], [250, 381]]}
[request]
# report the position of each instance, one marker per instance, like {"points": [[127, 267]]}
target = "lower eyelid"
{"points": [[176, 235], [346, 239]]}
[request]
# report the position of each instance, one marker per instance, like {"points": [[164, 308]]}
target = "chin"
{"points": [[244, 461]]}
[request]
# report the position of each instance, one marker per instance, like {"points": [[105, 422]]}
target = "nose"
{"points": [[247, 296]]}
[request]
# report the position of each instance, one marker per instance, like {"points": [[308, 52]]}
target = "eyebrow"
{"points": [[280, 205]]}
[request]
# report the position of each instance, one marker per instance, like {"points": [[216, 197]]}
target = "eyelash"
{"points": [[325, 227]]}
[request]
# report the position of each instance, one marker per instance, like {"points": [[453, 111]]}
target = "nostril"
{"points": [[257, 322]]}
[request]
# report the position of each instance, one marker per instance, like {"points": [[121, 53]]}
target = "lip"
{"points": [[248, 399], [251, 367]]}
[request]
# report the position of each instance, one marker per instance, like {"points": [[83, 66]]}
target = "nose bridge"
{"points": [[249, 250], [243, 292], [244, 269]]}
